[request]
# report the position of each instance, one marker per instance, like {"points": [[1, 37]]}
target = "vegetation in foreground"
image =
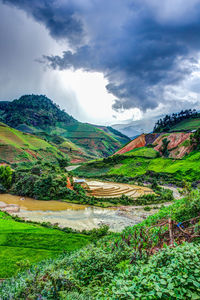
{"points": [[156, 259], [22, 244]]}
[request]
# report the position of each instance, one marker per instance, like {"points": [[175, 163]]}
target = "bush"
{"points": [[6, 176], [170, 274], [2, 189], [43, 187]]}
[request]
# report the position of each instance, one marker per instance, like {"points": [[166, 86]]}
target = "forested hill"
{"points": [[33, 110], [186, 120], [36, 114]]}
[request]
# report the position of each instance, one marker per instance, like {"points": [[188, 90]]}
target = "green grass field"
{"points": [[23, 244], [187, 168], [143, 152], [190, 124]]}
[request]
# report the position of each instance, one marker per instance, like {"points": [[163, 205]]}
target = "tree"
{"points": [[6, 176], [195, 139], [63, 162], [164, 148], [164, 125]]}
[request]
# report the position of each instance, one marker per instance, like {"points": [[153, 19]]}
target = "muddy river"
{"points": [[71, 215]]}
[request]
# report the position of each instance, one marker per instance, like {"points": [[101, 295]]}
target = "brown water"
{"points": [[32, 204], [70, 215]]}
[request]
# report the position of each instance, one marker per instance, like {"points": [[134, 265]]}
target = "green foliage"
{"points": [[164, 149], [97, 233], [79, 189], [170, 274], [146, 152], [63, 162], [6, 176], [195, 139], [43, 187]]}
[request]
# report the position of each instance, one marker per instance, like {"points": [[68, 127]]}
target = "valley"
{"points": [[76, 198], [99, 150]]}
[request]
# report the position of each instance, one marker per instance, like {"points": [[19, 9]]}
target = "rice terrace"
{"points": [[112, 189]]}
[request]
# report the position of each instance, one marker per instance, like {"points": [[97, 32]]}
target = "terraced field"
{"points": [[17, 146], [113, 189]]}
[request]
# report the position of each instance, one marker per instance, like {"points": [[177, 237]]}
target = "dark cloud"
{"points": [[22, 40], [60, 18], [142, 47]]}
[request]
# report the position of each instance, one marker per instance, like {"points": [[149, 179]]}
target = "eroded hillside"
{"points": [[178, 146]]}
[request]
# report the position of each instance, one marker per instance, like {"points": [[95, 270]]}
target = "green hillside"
{"points": [[190, 124], [185, 120], [40, 114], [122, 138], [144, 163], [23, 244], [17, 146]]}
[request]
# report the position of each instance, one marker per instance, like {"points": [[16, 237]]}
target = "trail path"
{"points": [[71, 168], [175, 191]]}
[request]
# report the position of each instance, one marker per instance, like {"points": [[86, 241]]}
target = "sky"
{"points": [[103, 61]]}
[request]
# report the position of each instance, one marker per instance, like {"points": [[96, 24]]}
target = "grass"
{"points": [[190, 124], [143, 152], [187, 168], [24, 244]]}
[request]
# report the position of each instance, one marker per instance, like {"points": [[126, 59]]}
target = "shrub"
{"points": [[6, 176], [170, 274]]}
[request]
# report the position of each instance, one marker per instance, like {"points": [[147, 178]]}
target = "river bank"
{"points": [[72, 215]]}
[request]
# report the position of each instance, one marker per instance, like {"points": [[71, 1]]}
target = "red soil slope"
{"points": [[178, 145], [136, 143]]}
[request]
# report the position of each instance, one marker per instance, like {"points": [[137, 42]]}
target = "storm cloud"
{"points": [[144, 48]]}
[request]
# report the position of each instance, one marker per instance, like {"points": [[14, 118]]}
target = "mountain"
{"points": [[36, 114], [178, 143], [122, 138], [187, 120], [136, 128], [143, 159], [17, 147]]}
